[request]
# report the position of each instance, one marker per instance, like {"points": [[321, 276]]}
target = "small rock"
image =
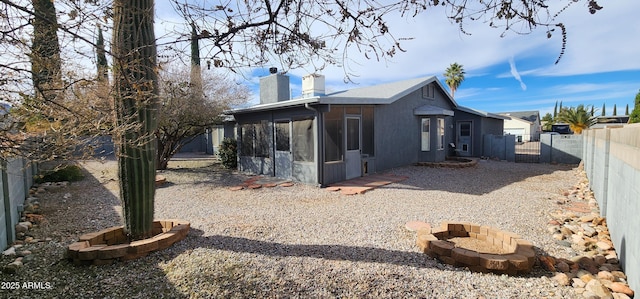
{"points": [[619, 274], [10, 251], [20, 228], [554, 222], [565, 231], [594, 286], [600, 260], [563, 267], [598, 221], [589, 295], [619, 287], [578, 283], [587, 218], [23, 253], [26, 223], [588, 230], [414, 226], [606, 275], [564, 243], [558, 237], [68, 195], [562, 279], [573, 228], [11, 268], [28, 239], [604, 246], [620, 296], [576, 239], [585, 276]]}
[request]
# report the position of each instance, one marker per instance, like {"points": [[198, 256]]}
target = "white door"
{"points": [[283, 157], [353, 154]]}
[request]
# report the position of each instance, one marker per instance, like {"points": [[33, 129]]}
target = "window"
{"points": [[465, 129], [440, 133], [353, 134], [303, 144], [428, 92], [425, 135]]}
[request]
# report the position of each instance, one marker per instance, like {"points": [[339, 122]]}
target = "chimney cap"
{"points": [[273, 70]]}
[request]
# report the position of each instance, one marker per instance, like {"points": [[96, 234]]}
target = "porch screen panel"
{"points": [[367, 131], [282, 136], [333, 135], [262, 139], [426, 136], [303, 140], [248, 134]]}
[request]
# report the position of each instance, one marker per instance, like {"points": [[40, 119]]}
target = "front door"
{"points": [[463, 144], [283, 158], [353, 155]]}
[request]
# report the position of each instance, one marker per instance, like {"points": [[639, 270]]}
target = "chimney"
{"points": [[274, 88], [313, 85]]}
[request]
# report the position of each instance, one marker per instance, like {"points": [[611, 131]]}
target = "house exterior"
{"points": [[324, 138], [470, 127], [525, 125]]}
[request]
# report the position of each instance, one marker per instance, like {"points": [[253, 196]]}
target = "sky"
{"points": [[601, 65]]}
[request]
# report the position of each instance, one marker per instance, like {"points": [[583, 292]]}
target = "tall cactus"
{"points": [[136, 104]]}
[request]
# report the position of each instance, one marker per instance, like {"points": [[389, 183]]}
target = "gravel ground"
{"points": [[300, 241]]}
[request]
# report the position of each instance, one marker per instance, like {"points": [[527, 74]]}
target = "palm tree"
{"points": [[578, 118], [454, 75]]}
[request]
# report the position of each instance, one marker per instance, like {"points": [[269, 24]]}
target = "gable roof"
{"points": [[371, 95], [383, 93], [481, 113], [530, 116]]}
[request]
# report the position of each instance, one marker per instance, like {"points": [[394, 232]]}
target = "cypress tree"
{"points": [[615, 110], [555, 110], [626, 110], [103, 66], [603, 110]]}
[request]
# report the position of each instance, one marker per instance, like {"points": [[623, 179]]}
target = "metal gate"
{"points": [[527, 149]]}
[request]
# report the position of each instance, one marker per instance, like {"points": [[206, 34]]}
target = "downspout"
{"points": [[320, 147]]}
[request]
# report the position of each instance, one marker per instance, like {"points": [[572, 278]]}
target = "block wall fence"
{"points": [[611, 157]]}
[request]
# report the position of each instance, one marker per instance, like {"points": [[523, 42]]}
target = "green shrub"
{"points": [[70, 173], [228, 153]]}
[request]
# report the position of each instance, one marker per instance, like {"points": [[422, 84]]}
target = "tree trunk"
{"points": [[136, 103]]}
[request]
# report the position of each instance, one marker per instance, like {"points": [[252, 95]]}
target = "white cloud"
{"points": [[515, 74]]}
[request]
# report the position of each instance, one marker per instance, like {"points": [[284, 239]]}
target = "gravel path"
{"points": [[301, 241]]}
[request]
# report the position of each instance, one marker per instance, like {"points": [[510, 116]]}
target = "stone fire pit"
{"points": [[111, 244], [480, 248]]}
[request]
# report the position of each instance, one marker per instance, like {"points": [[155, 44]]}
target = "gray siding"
{"points": [[481, 126], [398, 130]]}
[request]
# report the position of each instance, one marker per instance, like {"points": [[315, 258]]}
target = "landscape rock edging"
{"points": [[110, 245], [519, 259]]}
